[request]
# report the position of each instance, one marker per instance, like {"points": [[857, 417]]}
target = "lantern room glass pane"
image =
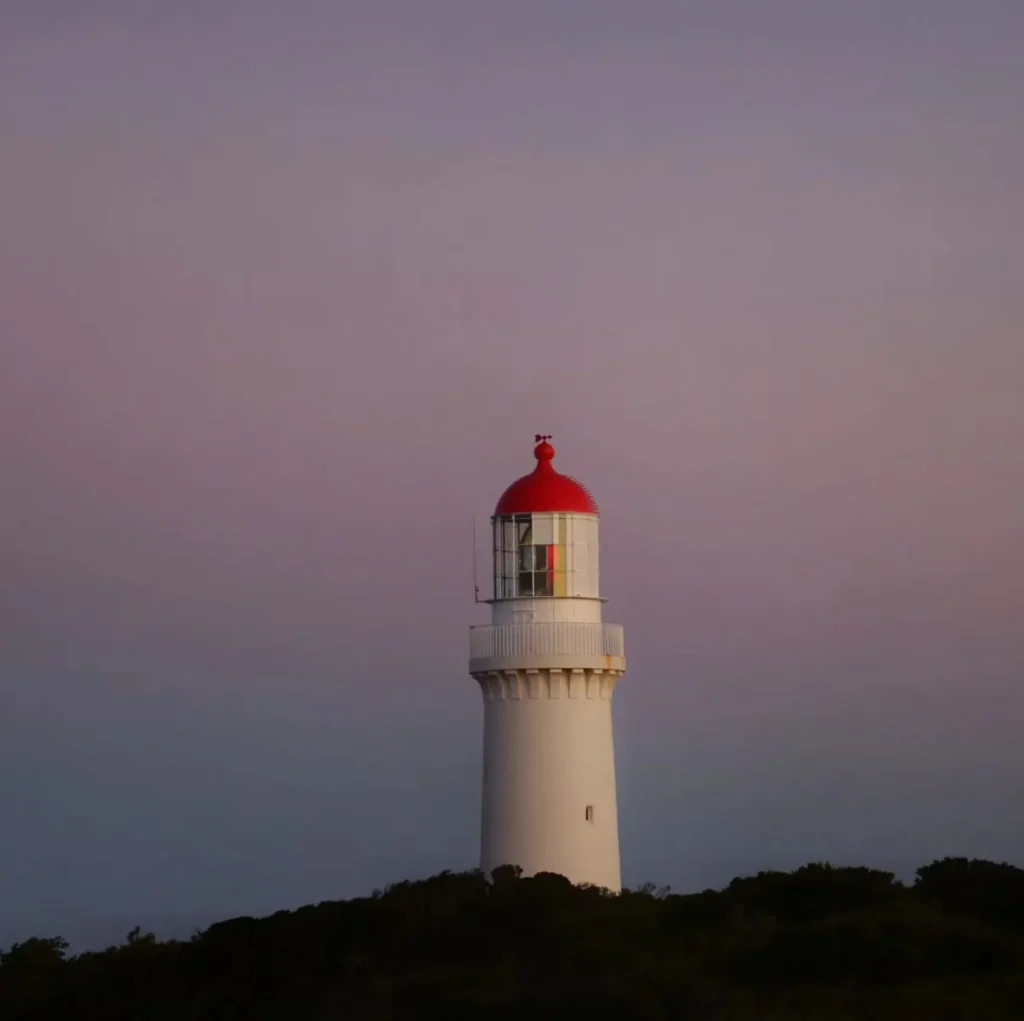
{"points": [[533, 558], [543, 532], [544, 555]]}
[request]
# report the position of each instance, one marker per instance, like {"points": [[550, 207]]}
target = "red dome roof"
{"points": [[545, 491]]}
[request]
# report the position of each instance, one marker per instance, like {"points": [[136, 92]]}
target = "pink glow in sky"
{"points": [[285, 293]]}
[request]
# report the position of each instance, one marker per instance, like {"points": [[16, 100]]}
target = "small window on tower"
{"points": [[590, 813]]}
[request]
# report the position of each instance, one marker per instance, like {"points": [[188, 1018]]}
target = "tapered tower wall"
{"points": [[549, 801]]}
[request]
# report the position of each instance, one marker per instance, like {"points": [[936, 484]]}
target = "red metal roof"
{"points": [[544, 490]]}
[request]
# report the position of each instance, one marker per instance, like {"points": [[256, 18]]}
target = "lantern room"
{"points": [[545, 535]]}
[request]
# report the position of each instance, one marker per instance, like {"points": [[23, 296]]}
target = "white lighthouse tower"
{"points": [[548, 665]]}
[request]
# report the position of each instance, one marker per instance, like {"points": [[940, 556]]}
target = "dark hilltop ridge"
{"points": [[822, 943]]}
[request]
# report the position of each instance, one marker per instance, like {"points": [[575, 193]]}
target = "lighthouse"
{"points": [[547, 665]]}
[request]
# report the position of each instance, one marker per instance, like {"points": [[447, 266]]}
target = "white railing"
{"points": [[559, 638]]}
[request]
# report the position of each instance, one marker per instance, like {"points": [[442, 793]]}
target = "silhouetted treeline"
{"points": [[821, 944]]}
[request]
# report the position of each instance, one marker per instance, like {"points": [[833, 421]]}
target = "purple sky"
{"points": [[287, 289]]}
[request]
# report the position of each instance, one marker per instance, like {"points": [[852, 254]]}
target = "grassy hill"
{"points": [[820, 943]]}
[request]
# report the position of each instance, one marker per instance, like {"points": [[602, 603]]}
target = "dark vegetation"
{"points": [[821, 943]]}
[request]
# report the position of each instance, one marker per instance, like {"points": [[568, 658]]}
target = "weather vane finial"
{"points": [[540, 438]]}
